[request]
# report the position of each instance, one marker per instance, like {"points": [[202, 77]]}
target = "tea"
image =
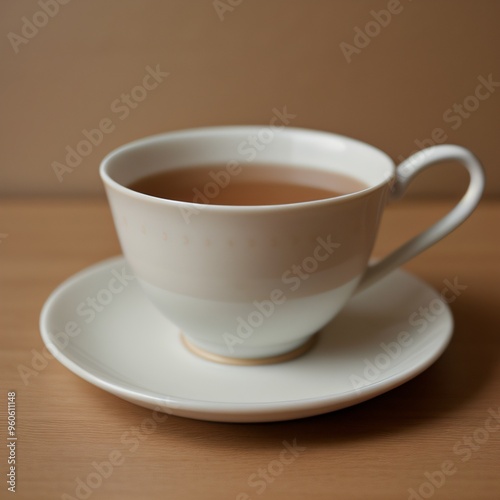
{"points": [[256, 184]]}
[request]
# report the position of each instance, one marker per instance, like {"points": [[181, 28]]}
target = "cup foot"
{"points": [[227, 360]]}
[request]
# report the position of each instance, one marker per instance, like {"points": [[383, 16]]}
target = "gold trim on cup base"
{"points": [[227, 360]]}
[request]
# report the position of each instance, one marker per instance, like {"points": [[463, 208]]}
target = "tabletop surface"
{"points": [[435, 436]]}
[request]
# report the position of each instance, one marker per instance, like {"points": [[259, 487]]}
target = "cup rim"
{"points": [[202, 132]]}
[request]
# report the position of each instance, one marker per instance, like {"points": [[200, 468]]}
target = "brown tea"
{"points": [[255, 184]]}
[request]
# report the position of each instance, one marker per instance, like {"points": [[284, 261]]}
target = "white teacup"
{"points": [[255, 283]]}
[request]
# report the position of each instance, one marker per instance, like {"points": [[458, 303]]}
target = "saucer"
{"points": [[100, 326]]}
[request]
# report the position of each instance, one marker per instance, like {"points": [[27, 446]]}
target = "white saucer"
{"points": [[130, 350]]}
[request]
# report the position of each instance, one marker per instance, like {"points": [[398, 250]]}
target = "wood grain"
{"points": [[376, 450]]}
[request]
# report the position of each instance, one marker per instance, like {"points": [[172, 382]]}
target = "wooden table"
{"points": [[434, 429]]}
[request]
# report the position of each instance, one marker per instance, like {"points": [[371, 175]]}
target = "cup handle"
{"points": [[405, 173]]}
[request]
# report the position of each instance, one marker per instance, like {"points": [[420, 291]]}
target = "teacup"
{"points": [[254, 284]]}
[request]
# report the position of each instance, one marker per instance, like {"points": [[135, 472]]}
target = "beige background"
{"points": [[262, 55]]}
